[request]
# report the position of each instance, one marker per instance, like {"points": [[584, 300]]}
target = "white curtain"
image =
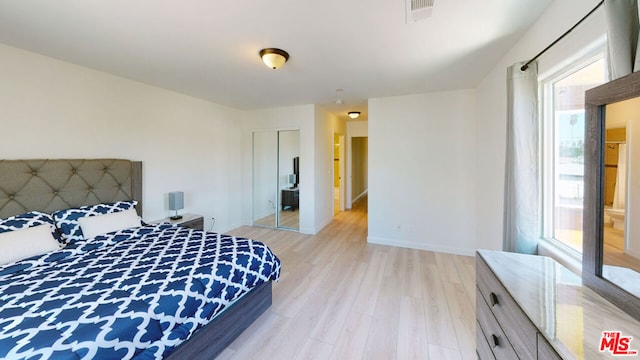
{"points": [[620, 190], [622, 33], [521, 207]]}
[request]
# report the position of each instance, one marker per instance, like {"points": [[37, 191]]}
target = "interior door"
{"points": [[276, 175], [265, 178], [288, 179]]}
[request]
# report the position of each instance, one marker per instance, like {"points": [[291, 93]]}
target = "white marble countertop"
{"points": [[570, 316]]}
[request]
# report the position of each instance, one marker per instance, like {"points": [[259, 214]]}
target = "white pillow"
{"points": [[101, 224], [25, 243]]}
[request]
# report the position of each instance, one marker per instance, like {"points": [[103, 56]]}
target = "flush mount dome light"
{"points": [[274, 58], [354, 114]]}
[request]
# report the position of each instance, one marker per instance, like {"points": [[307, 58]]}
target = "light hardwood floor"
{"points": [[341, 298], [614, 253], [288, 219]]}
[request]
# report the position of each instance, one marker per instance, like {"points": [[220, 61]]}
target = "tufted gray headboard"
{"points": [[50, 185]]}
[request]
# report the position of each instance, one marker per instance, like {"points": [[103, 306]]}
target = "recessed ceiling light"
{"points": [[339, 96]]}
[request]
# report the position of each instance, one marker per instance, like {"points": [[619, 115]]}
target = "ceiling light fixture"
{"points": [[354, 114], [274, 58]]}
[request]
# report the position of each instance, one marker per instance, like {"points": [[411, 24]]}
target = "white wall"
{"points": [[357, 128], [54, 109], [421, 171], [490, 135], [326, 125]]}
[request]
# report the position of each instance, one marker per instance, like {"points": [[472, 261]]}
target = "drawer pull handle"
{"points": [[494, 299], [495, 340]]}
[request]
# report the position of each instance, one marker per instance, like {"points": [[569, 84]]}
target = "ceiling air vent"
{"points": [[419, 9]]}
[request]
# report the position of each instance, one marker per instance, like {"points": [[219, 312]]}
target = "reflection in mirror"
{"points": [[265, 178], [276, 176], [288, 179], [621, 234]]}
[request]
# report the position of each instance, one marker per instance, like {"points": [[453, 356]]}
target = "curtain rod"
{"points": [[526, 66]]}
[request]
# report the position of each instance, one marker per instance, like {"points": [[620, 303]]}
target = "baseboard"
{"points": [[227, 229], [315, 230], [634, 253], [324, 224], [427, 247], [359, 196], [308, 231]]}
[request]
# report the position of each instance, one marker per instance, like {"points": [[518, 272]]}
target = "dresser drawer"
{"points": [[482, 346], [521, 332], [497, 341], [545, 351]]}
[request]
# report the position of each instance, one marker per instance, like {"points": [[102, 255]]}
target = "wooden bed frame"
{"points": [[50, 185], [211, 340]]}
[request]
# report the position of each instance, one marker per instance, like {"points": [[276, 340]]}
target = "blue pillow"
{"points": [[28, 220], [67, 220]]}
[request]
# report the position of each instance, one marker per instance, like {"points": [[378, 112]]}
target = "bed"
{"points": [[151, 291]]}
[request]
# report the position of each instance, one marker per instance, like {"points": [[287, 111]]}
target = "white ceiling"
{"points": [[209, 48]]}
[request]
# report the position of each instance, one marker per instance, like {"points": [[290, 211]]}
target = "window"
{"points": [[563, 148]]}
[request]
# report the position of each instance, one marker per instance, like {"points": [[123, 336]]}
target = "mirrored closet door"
{"points": [[276, 175]]}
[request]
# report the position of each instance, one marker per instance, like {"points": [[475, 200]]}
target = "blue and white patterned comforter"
{"points": [[135, 293]]}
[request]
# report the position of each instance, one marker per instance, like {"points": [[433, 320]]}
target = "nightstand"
{"points": [[290, 199], [191, 221]]}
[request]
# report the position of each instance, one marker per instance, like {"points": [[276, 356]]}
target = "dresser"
{"points": [[530, 307]]}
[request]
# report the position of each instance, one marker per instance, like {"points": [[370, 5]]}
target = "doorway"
{"points": [[338, 174], [359, 168], [276, 175]]}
